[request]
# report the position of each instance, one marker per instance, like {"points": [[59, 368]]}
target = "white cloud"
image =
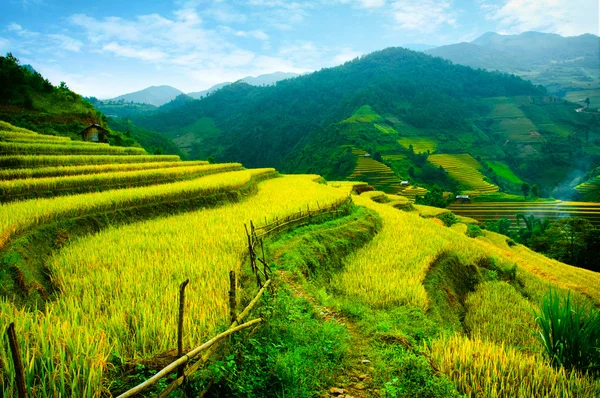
{"points": [[365, 3], [66, 42], [346, 54], [145, 54], [425, 16], [257, 34], [565, 17], [14, 27]]}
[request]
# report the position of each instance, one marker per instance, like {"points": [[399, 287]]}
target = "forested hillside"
{"points": [[30, 101], [307, 124]]}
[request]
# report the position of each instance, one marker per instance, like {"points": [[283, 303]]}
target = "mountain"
{"points": [[529, 50], [153, 95], [568, 66], [418, 46], [392, 103], [261, 80], [270, 78], [204, 93]]}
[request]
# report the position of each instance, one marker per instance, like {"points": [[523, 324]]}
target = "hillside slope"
{"points": [[28, 100], [297, 125]]}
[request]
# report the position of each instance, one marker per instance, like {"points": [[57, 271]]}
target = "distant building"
{"points": [[94, 133], [367, 155], [463, 198], [404, 183]]}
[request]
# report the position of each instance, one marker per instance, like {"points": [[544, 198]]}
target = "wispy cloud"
{"points": [[66, 42], [425, 16], [365, 3], [565, 17]]}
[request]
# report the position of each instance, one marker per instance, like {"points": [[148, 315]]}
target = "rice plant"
{"points": [[19, 216], [64, 171], [31, 161], [484, 369], [52, 186], [119, 287], [73, 148], [570, 333]]}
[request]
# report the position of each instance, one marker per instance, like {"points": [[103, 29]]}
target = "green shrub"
{"points": [[474, 231], [449, 219], [570, 333]]}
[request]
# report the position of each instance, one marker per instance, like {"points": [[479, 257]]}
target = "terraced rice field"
{"points": [[590, 189], [464, 169], [419, 144], [491, 211], [376, 174], [394, 157], [411, 192]]}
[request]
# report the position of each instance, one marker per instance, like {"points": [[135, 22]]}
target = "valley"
{"points": [[395, 224]]}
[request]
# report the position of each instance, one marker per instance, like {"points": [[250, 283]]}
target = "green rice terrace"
{"points": [[381, 176], [590, 190], [493, 211], [464, 169]]}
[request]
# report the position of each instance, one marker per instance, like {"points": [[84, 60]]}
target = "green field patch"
{"points": [[560, 130], [518, 129], [364, 114], [419, 144], [385, 129], [580, 96], [502, 170], [503, 107]]}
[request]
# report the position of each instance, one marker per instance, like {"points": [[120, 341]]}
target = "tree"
{"points": [[535, 190], [568, 239], [525, 188]]}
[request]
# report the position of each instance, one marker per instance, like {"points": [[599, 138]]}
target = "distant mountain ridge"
{"points": [[261, 80], [568, 66], [534, 49], [153, 95], [161, 95]]}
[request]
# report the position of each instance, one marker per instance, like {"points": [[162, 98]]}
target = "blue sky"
{"points": [[112, 47]]}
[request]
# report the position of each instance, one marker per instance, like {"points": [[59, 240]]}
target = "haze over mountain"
{"points": [[562, 64], [153, 95], [261, 80]]}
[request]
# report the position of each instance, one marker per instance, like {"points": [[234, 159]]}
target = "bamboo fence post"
{"points": [[180, 323], [232, 298], [249, 247], [186, 358], [18, 363]]}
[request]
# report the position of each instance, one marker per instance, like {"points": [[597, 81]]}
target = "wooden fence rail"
{"points": [[209, 347]]}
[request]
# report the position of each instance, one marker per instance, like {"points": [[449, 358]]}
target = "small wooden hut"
{"points": [[463, 199], [94, 133]]}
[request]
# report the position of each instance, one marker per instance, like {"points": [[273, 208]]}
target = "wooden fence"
{"points": [[189, 363]]}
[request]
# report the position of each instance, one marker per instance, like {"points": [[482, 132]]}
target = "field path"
{"points": [[356, 381]]}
